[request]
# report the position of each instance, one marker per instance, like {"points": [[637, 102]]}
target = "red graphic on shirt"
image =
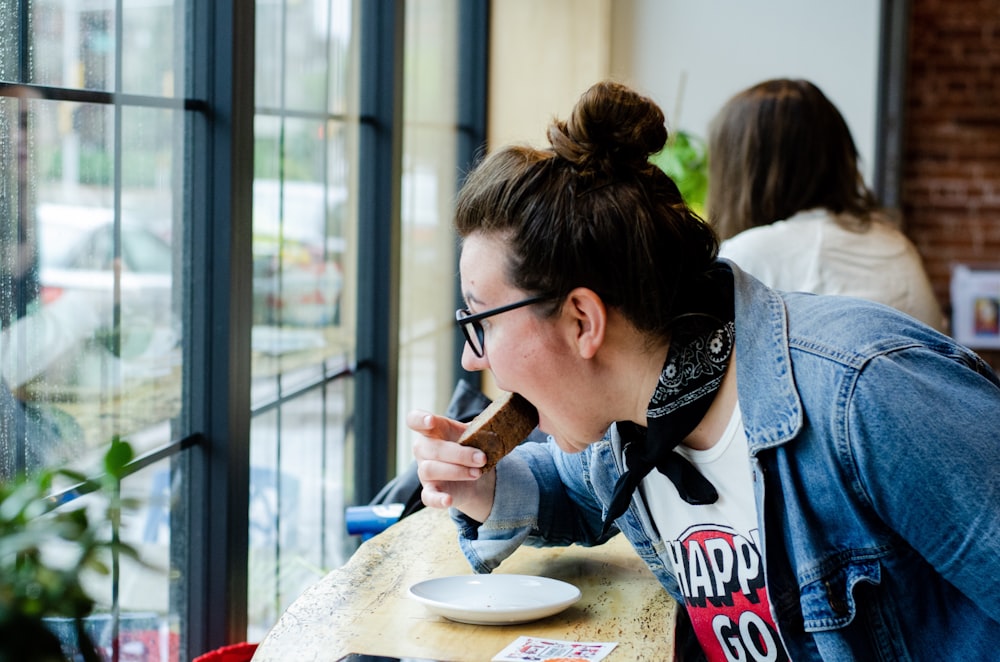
{"points": [[722, 578]]}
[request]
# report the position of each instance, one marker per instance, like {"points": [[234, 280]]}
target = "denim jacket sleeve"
{"points": [[543, 498], [928, 460]]}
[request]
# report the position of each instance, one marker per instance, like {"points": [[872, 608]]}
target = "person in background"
{"points": [[787, 198], [807, 487], [25, 437]]}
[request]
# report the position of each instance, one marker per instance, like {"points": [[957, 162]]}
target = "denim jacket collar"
{"points": [[767, 393]]}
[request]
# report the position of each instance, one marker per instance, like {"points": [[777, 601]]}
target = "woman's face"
{"points": [[527, 352]]}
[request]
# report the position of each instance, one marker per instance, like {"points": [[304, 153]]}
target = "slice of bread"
{"points": [[504, 424]]}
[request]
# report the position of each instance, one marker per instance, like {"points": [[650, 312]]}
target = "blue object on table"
{"points": [[366, 521]]}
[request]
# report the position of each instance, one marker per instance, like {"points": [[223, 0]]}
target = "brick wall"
{"points": [[951, 143]]}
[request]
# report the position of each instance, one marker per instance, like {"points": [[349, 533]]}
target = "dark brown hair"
{"points": [[591, 211], [778, 148]]}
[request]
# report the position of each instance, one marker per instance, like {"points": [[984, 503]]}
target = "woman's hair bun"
{"points": [[611, 127]]}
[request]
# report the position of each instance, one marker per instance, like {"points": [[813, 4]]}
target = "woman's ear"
{"points": [[590, 319]]}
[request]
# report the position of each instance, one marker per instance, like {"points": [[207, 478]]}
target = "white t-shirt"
{"points": [[715, 552], [810, 252]]}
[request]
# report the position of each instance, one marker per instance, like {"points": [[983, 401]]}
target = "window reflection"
{"points": [[90, 336], [92, 347], [19, 289]]}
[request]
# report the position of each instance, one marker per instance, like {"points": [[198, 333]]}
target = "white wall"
{"points": [[719, 47]]}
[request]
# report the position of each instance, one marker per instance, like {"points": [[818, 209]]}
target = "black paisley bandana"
{"points": [[695, 365]]}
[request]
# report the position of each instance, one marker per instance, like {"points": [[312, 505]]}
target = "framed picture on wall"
{"points": [[975, 302]]}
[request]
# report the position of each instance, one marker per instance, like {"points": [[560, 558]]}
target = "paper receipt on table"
{"points": [[539, 649]]}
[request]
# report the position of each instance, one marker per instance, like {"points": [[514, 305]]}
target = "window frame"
{"points": [[212, 592], [209, 449]]}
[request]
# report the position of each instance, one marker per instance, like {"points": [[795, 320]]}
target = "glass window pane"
{"points": [[303, 296], [307, 46], [431, 62], [430, 174], [90, 280], [73, 44], [10, 56], [267, 503], [341, 70], [297, 500], [150, 28], [100, 353], [269, 47], [150, 622], [133, 616]]}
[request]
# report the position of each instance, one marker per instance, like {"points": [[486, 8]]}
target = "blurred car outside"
{"points": [[297, 273], [78, 268], [77, 252]]}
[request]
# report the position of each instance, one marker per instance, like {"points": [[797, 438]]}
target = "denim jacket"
{"points": [[875, 453]]}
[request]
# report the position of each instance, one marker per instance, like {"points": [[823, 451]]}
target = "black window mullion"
{"points": [[379, 170], [212, 547], [473, 60]]}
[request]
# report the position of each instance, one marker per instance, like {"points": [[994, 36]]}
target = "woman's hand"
{"points": [[450, 473]]}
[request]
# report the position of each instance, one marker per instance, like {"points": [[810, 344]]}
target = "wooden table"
{"points": [[363, 606]]}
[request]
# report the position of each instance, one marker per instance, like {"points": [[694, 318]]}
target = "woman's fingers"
{"points": [[449, 472], [434, 426], [434, 498], [446, 460], [474, 498], [438, 457]]}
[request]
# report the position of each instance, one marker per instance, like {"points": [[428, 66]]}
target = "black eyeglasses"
{"points": [[473, 330]]}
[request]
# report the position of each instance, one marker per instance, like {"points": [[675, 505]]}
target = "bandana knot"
{"points": [[692, 373]]}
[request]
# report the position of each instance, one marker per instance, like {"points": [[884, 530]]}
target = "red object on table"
{"points": [[232, 653]]}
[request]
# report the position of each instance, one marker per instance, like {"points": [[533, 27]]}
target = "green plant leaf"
{"points": [[35, 583], [117, 457], [684, 159]]}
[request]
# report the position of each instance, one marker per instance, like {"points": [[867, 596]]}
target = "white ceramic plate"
{"points": [[494, 599]]}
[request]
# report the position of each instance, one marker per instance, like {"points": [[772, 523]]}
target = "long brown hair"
{"points": [[778, 148], [591, 211]]}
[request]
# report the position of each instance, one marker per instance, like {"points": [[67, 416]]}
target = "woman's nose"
{"points": [[471, 362]]}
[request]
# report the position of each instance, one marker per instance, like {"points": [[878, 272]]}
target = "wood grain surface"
{"points": [[363, 606]]}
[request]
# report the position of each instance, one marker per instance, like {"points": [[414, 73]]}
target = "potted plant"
{"points": [[685, 159], [36, 584]]}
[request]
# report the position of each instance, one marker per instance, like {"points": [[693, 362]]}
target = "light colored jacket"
{"points": [[811, 252], [875, 447]]}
